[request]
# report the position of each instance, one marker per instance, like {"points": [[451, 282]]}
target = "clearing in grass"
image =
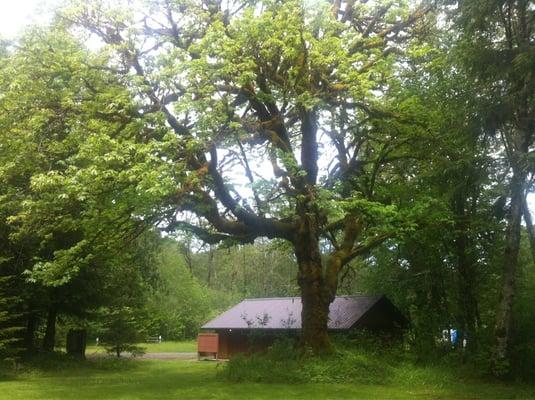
{"points": [[184, 346]]}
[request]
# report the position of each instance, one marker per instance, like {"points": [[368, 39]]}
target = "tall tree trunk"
{"points": [[529, 227], [465, 266], [76, 342], [518, 140], [510, 261], [517, 143], [468, 300], [29, 335], [49, 340], [316, 296], [209, 276], [185, 249], [244, 272]]}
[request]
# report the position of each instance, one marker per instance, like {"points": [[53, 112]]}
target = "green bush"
{"points": [[358, 358], [278, 364], [122, 328], [347, 366], [282, 363]]}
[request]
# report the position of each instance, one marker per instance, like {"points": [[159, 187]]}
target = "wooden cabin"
{"points": [[254, 324]]}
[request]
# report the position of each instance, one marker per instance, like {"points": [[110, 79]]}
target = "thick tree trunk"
{"points": [[314, 317], [49, 340], [316, 295], [510, 261], [76, 342]]}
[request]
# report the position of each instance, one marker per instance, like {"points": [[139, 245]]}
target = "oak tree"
{"points": [[279, 119]]}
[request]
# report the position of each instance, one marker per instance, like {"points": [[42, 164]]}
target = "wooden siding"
{"points": [[208, 343]]}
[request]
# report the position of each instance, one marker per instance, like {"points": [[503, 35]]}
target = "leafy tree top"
{"points": [[276, 110]]}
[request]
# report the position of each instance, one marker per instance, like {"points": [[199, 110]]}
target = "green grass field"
{"points": [[182, 380], [189, 346]]}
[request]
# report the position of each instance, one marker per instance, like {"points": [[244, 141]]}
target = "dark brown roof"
{"points": [[285, 313]]}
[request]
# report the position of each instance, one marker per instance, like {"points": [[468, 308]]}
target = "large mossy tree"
{"points": [[281, 121]]}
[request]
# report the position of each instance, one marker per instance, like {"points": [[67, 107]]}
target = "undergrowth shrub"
{"points": [[282, 363], [359, 358]]}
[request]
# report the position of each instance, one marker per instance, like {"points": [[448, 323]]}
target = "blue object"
{"points": [[453, 336]]}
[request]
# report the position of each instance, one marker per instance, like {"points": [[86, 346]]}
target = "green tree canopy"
{"points": [[279, 120]]}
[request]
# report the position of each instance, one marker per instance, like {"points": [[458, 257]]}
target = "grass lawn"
{"points": [[188, 346], [182, 380]]}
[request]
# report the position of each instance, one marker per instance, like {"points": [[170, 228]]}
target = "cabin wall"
{"points": [[244, 342], [223, 346], [383, 319], [247, 342]]}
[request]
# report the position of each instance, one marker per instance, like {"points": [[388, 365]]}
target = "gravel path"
{"points": [[170, 356], [149, 356]]}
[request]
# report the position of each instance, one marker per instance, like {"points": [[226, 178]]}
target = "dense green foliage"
{"points": [[259, 270], [122, 327], [9, 319], [352, 362], [179, 303]]}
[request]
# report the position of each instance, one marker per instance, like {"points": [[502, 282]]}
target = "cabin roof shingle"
{"points": [[285, 313]]}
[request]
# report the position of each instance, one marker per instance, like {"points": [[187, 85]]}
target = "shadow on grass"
{"points": [[53, 364], [183, 380], [124, 379]]}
